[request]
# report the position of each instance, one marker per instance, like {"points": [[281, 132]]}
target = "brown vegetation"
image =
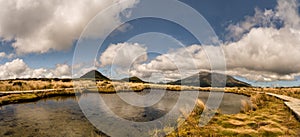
{"points": [[292, 92], [266, 116], [21, 85]]}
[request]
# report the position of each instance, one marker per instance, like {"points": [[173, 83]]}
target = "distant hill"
{"points": [[94, 74], [205, 80], [133, 79]]}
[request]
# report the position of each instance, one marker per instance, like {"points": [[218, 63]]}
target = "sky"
{"points": [[260, 40]]}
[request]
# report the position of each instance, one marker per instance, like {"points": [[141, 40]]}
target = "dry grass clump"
{"points": [[61, 84], [173, 88], [245, 107], [84, 83], [112, 87], [200, 106], [189, 122], [19, 85]]}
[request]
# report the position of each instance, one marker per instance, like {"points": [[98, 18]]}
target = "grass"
{"points": [[20, 85], [246, 106], [269, 117], [292, 92], [109, 87], [28, 97]]}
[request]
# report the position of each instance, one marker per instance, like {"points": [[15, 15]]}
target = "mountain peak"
{"points": [[94, 74], [204, 79], [133, 79]]}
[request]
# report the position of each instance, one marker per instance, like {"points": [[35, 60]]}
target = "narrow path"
{"points": [[291, 103]]}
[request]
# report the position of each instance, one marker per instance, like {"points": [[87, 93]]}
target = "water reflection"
{"points": [[62, 116], [58, 116]]}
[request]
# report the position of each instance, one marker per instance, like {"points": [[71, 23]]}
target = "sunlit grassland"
{"points": [[21, 85], [292, 92], [115, 86], [105, 86], [266, 116]]}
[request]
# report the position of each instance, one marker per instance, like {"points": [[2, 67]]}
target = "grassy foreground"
{"points": [[267, 116]]}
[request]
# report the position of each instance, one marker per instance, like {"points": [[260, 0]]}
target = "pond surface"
{"points": [[62, 116]]}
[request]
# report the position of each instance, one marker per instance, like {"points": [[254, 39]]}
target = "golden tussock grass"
{"points": [[114, 86], [19, 85], [269, 118], [246, 106], [292, 92], [27, 97]]}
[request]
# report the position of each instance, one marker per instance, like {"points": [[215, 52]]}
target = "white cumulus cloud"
{"points": [[39, 26], [173, 65], [261, 51], [267, 53], [123, 54], [19, 69]]}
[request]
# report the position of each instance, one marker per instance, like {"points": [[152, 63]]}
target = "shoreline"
{"points": [[35, 95], [31, 97]]}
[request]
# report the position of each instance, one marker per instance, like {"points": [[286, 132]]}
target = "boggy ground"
{"points": [[266, 116]]}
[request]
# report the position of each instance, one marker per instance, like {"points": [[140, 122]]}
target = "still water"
{"points": [[62, 116]]}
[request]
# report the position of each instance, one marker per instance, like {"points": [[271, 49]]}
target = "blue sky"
{"points": [[219, 14], [222, 13]]}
